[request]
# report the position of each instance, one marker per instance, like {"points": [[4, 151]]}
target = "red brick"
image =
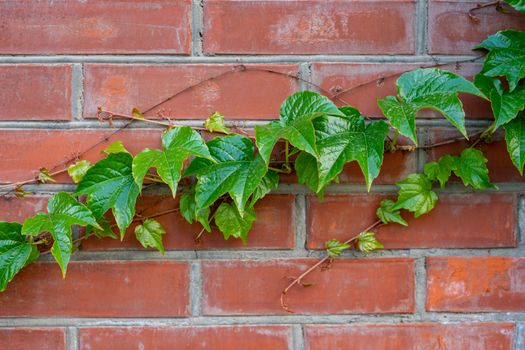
{"points": [[450, 30], [472, 284], [35, 92], [309, 27], [179, 338], [355, 286], [32, 338], [236, 93], [462, 336], [273, 229], [482, 220], [99, 289], [126, 27], [18, 209], [499, 164], [21, 159], [362, 84]]}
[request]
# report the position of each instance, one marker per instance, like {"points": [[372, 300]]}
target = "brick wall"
{"points": [[453, 279]]}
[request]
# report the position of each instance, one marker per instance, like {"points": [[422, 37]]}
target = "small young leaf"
{"points": [[416, 195], [268, 182], [135, 112], [441, 170], [471, 168], [15, 252], [334, 248], [78, 170], [231, 223], [149, 234], [367, 242], [386, 213], [427, 88], [44, 176], [515, 138], [115, 147], [190, 212], [215, 123]]}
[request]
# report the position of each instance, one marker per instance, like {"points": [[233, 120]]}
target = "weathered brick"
{"points": [[240, 287], [33, 338], [473, 284], [482, 220], [309, 27], [19, 209], [250, 93], [99, 289], [273, 229], [116, 27], [479, 336], [451, 31], [35, 92], [174, 338]]}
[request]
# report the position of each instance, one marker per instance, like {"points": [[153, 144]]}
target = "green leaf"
{"points": [[78, 170], [236, 171], [308, 172], [105, 230], [63, 212], [515, 138], [427, 88], [15, 252], [471, 168], [115, 147], [190, 212], [441, 170], [232, 224], [387, 213], [149, 234], [506, 56], [505, 105], [367, 242], [109, 184], [268, 182], [334, 248], [517, 4], [177, 145], [295, 123], [416, 195], [215, 123]]}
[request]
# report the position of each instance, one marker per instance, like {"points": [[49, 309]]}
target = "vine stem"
{"points": [[298, 280], [26, 182]]}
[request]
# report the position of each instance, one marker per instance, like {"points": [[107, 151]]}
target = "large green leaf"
{"points": [[471, 168], [515, 138], [109, 184], [268, 182], [416, 195], [517, 4], [190, 211], [427, 88], [295, 123], [232, 224], [15, 251], [177, 145], [308, 172], [506, 56], [63, 212], [236, 171], [149, 234], [505, 105]]}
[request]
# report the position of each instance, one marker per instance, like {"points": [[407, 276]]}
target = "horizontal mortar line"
{"points": [[96, 125], [445, 318], [161, 59]]}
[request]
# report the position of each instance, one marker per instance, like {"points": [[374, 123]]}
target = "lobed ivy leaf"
{"points": [[334, 248], [215, 123], [308, 173], [190, 211], [236, 170], [295, 123], [471, 168], [440, 170], [115, 147], [177, 145], [105, 230], [427, 88], [367, 242], [416, 195], [149, 234], [517, 4], [78, 170], [63, 212], [268, 182], [506, 56], [109, 184], [515, 139], [232, 224], [387, 213], [15, 252]]}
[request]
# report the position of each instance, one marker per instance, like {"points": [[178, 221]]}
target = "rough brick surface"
{"points": [[463, 336], [160, 26], [99, 289], [32, 338], [179, 338], [309, 27], [243, 287], [470, 284]]}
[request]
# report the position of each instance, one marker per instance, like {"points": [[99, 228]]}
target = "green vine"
{"points": [[222, 179]]}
